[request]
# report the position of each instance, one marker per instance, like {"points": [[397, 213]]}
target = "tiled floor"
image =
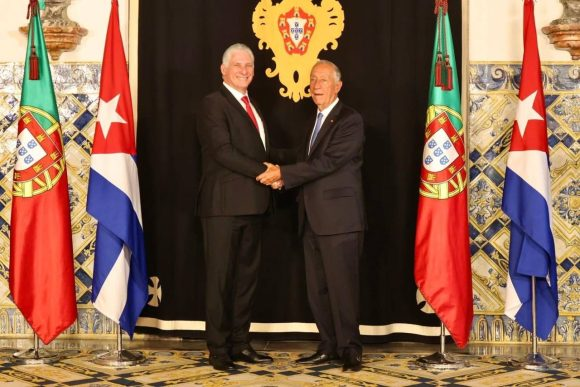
{"points": [[184, 363]]}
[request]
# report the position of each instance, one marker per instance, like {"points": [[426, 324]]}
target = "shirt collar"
{"points": [[237, 95], [329, 108]]}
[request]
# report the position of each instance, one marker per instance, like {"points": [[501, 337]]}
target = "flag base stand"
{"points": [[536, 362], [119, 357], [441, 360], [35, 355]]}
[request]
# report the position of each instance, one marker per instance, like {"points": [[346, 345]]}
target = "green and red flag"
{"points": [[442, 257], [41, 261]]}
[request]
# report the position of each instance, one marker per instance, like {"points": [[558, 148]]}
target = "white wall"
{"points": [[496, 30], [90, 14]]}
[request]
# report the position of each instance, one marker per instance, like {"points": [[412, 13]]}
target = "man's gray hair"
{"points": [[337, 74], [233, 48]]}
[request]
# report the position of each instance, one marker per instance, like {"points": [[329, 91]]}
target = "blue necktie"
{"points": [[317, 126]]}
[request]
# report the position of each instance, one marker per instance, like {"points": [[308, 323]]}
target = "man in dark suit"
{"points": [[231, 204], [331, 217]]}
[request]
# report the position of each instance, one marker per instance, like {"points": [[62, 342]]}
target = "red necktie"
{"points": [[246, 101]]}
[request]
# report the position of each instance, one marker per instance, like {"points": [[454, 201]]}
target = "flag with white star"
{"points": [[119, 274], [526, 199]]}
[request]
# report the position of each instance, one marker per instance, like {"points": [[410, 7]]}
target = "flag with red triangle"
{"points": [[120, 273], [526, 199]]}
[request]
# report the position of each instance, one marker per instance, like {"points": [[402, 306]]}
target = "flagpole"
{"points": [[35, 355], [535, 361], [119, 357], [442, 338], [441, 360], [534, 319]]}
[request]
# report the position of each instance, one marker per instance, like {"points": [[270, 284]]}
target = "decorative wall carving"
{"points": [[60, 33], [564, 32]]}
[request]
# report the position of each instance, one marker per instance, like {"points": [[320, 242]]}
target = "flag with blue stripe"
{"points": [[120, 273], [526, 199]]}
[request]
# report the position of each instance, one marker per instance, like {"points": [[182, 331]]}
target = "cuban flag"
{"points": [[526, 199], [119, 274]]}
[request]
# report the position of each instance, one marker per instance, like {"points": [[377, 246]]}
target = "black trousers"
{"points": [[232, 256], [332, 280]]}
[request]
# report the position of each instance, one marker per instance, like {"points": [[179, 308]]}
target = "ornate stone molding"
{"points": [[564, 32], [60, 33]]}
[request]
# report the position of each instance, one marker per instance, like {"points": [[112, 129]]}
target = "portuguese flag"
{"points": [[41, 260], [442, 257]]}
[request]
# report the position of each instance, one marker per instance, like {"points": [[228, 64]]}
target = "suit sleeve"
{"points": [[345, 145], [214, 137]]}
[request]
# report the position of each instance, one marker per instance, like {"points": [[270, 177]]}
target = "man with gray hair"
{"points": [[331, 217], [232, 204]]}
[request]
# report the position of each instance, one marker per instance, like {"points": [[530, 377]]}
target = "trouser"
{"points": [[232, 256], [332, 280]]}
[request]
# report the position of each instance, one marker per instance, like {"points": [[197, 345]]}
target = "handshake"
{"points": [[271, 176]]}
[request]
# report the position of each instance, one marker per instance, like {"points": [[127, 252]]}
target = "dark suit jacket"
{"points": [[232, 157], [331, 194]]}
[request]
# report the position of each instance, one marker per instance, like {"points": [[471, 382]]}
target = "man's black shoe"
{"points": [[318, 357], [248, 355], [352, 361], [221, 363]]}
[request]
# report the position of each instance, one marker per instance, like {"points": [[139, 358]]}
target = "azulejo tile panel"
{"points": [[493, 98]]}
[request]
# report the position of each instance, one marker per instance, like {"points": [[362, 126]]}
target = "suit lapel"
{"points": [[238, 106], [267, 138], [329, 122]]}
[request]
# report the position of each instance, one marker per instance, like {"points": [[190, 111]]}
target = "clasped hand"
{"points": [[271, 176]]}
